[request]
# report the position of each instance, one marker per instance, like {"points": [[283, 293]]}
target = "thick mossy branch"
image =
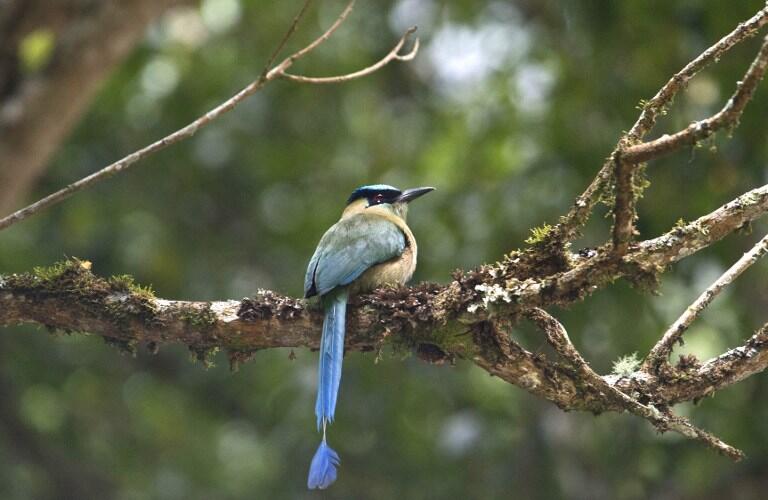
{"points": [[116, 300], [437, 322], [69, 296], [431, 320]]}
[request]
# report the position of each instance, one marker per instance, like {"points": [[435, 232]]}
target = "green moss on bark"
{"points": [[117, 299]]}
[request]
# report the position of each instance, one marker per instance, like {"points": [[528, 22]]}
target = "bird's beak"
{"points": [[411, 194]]}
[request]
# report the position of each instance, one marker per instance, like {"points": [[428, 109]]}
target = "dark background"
{"points": [[509, 110]]}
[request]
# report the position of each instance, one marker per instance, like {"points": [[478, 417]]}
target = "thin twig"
{"points": [[558, 338], [284, 41], [268, 74], [697, 131], [674, 333], [327, 34], [577, 217], [393, 55], [658, 103], [183, 133]]}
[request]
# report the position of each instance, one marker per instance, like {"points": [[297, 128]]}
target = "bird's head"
{"points": [[387, 197]]}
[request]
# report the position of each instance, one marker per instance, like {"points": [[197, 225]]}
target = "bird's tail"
{"points": [[322, 471], [331, 356]]}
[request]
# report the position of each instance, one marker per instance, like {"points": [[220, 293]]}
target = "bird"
{"points": [[370, 246]]}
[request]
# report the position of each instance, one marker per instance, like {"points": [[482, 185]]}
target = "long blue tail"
{"points": [[322, 471], [331, 356]]}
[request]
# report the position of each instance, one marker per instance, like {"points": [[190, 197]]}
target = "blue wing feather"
{"points": [[309, 278], [348, 249]]}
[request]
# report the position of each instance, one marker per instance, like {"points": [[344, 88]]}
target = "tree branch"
{"points": [[658, 103], [393, 55], [641, 265], [697, 131], [89, 45], [624, 208], [558, 339], [674, 334], [269, 74], [579, 214], [697, 381], [686, 239]]}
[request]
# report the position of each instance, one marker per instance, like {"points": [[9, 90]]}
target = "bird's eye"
{"points": [[378, 198]]}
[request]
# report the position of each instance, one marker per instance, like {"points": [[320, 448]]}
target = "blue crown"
{"points": [[373, 189]]}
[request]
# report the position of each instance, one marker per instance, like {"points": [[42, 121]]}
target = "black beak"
{"points": [[411, 194]]}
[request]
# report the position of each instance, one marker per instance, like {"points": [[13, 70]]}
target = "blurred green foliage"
{"points": [[508, 110]]}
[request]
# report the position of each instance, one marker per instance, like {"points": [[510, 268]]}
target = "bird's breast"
{"points": [[395, 271]]}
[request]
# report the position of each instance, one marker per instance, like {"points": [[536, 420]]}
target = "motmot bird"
{"points": [[370, 246]]}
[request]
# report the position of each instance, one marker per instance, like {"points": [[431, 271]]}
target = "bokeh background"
{"points": [[508, 110]]}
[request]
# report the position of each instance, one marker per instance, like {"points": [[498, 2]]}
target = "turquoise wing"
{"points": [[348, 248]]}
